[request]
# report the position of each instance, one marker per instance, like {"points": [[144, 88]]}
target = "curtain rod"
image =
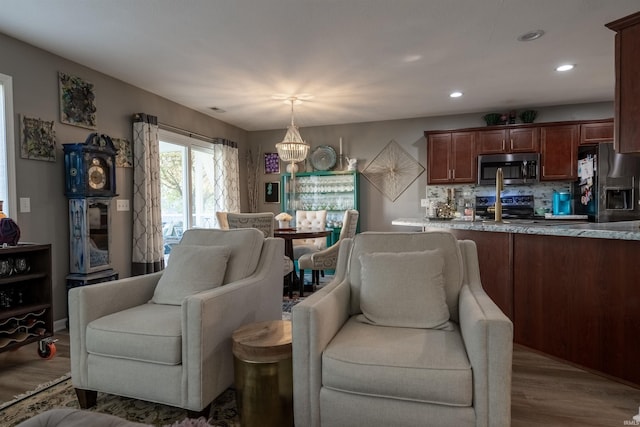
{"points": [[185, 132]]}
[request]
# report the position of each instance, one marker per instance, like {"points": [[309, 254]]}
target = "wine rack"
{"points": [[25, 295]]}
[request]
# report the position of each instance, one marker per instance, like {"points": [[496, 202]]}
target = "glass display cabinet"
{"points": [[320, 190]]}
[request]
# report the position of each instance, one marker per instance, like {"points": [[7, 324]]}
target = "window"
{"points": [[7, 158], [190, 193]]}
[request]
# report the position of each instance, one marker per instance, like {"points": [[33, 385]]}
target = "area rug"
{"points": [[60, 394]]}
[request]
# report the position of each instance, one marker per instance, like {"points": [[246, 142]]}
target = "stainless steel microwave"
{"points": [[517, 168]]}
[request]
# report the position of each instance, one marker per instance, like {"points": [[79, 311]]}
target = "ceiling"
{"points": [[360, 60]]}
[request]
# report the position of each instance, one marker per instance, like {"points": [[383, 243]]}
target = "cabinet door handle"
{"points": [[511, 141], [453, 174], [502, 144]]}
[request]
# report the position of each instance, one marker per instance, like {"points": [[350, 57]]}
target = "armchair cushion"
{"points": [[421, 303], [148, 332], [424, 365], [191, 269]]}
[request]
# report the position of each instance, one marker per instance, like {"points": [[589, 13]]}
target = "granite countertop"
{"points": [[623, 230]]}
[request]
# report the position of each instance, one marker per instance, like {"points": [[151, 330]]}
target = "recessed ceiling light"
{"points": [[531, 35], [456, 94], [565, 67]]}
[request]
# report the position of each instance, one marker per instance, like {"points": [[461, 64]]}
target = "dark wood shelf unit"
{"points": [[26, 312]]}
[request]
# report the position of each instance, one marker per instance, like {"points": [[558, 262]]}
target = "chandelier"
{"points": [[292, 148]]}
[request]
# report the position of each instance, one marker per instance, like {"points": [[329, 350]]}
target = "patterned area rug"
{"points": [[60, 394]]}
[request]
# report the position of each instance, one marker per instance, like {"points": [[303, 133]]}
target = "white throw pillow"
{"points": [[191, 269], [404, 289]]}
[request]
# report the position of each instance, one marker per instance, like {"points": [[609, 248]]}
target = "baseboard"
{"points": [[60, 325]]}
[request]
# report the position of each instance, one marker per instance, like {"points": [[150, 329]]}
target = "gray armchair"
{"points": [[166, 337], [404, 335], [327, 259]]}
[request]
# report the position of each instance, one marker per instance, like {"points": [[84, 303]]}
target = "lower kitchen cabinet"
{"points": [[575, 298], [494, 257], [578, 299]]}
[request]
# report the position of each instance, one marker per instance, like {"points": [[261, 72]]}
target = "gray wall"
{"points": [[35, 94], [365, 140]]}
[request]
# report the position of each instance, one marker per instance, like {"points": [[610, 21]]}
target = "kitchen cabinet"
{"points": [[451, 157], [578, 299], [510, 140], [311, 191], [627, 88], [495, 261], [559, 152], [596, 132], [25, 295]]}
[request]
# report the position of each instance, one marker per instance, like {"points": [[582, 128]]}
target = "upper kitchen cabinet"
{"points": [[512, 140], [559, 151], [596, 132], [451, 157], [627, 92]]}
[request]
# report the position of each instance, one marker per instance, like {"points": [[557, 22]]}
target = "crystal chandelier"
{"points": [[292, 148]]}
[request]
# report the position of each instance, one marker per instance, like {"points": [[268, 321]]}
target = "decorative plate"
{"points": [[323, 158]]}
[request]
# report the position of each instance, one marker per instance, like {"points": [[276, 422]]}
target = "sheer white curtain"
{"points": [[227, 175], [147, 251]]}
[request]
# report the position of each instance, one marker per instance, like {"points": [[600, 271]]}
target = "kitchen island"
{"points": [[571, 289]]}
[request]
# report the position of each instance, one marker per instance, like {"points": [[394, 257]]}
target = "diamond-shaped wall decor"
{"points": [[392, 171]]}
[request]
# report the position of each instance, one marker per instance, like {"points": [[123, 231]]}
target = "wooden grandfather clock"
{"points": [[90, 185]]}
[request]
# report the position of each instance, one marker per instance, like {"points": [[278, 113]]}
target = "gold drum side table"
{"points": [[264, 373]]}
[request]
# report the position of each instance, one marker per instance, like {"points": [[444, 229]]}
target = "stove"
{"points": [[519, 206]]}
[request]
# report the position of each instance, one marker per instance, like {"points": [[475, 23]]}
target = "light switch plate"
{"points": [[25, 204], [122, 204], [424, 203]]}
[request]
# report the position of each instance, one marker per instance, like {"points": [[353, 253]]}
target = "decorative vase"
{"points": [[283, 224]]}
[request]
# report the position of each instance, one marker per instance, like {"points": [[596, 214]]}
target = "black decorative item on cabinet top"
{"points": [[90, 167]]}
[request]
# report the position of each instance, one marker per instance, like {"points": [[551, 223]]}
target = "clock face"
{"points": [[96, 174]]}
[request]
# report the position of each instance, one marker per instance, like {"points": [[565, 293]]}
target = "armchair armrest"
{"points": [[209, 318], [316, 320], [87, 303], [488, 338], [323, 259]]}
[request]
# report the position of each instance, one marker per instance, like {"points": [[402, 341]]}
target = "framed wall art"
{"points": [[124, 157], [37, 139], [77, 101], [271, 163], [272, 192]]}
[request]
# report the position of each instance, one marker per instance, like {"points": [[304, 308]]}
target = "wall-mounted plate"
{"points": [[323, 158]]}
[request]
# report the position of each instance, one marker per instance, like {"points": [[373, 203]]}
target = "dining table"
{"points": [[291, 234]]}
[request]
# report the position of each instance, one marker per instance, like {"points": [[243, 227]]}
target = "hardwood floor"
{"points": [[22, 370], [545, 392]]}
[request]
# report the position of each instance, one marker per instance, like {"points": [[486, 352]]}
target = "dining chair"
{"points": [[327, 259], [264, 222], [309, 219]]}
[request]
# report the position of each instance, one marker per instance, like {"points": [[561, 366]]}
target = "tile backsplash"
{"points": [[542, 192]]}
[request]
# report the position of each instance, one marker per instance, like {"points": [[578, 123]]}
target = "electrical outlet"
{"points": [[122, 204], [424, 203]]}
